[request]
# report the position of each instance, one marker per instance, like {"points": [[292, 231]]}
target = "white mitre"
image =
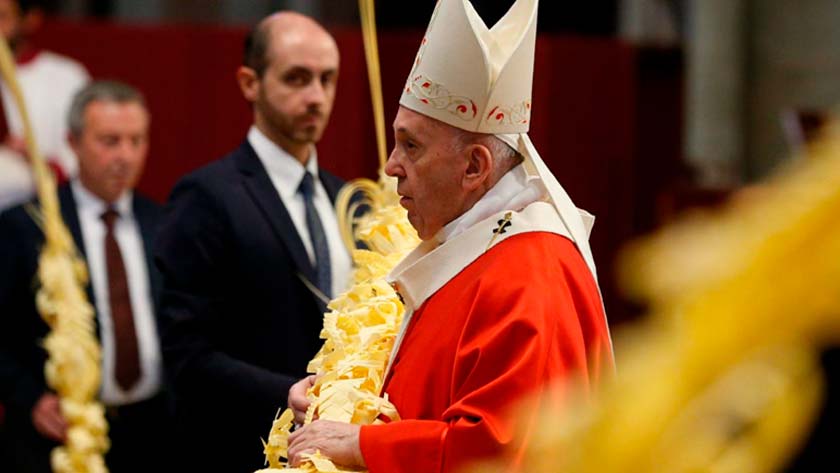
{"points": [[479, 80]]}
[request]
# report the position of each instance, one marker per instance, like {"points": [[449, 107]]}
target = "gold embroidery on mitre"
{"points": [[439, 97]]}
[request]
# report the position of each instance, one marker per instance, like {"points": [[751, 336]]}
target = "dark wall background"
{"points": [[593, 17]]}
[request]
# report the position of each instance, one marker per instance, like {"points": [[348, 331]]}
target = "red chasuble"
{"points": [[524, 314]]}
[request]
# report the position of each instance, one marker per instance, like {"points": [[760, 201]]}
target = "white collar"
{"points": [[86, 201], [514, 191], [282, 167], [428, 268], [461, 241]]}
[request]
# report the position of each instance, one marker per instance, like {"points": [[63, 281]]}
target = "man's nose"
{"points": [[317, 94], [126, 150], [392, 166]]}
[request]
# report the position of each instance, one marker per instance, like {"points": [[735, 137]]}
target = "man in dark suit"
{"points": [[250, 250], [113, 228]]}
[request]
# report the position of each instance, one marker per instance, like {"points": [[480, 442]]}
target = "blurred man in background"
{"points": [[113, 228]]}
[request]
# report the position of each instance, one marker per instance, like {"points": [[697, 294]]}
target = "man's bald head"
{"points": [[290, 75], [282, 29]]}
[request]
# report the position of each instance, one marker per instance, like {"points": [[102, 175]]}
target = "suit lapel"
{"points": [[331, 184], [71, 220], [262, 191], [71, 217], [147, 222]]}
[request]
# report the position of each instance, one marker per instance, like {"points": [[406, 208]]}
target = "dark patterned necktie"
{"points": [[323, 272], [125, 336]]}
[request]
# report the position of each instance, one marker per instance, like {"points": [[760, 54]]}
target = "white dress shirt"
{"points": [[286, 173], [129, 239]]}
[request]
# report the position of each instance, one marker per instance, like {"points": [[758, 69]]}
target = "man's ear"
{"points": [[73, 140], [248, 82], [479, 167]]}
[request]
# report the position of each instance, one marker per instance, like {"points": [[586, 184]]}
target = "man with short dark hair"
{"points": [[250, 252], [113, 228]]}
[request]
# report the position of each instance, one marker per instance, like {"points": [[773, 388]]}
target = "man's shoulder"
{"points": [[18, 222], [539, 271], [146, 205], [24, 215], [18, 215], [213, 175], [58, 63], [211, 187], [537, 244], [526, 258], [330, 178]]}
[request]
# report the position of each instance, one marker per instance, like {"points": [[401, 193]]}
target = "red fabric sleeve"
{"points": [[406, 445]]}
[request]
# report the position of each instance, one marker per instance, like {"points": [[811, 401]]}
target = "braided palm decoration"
{"points": [[73, 364], [362, 325]]}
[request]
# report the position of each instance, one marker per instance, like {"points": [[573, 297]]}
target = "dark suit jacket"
{"points": [[21, 356], [239, 325]]}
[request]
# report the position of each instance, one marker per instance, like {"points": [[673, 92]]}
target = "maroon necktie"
{"points": [[128, 358]]}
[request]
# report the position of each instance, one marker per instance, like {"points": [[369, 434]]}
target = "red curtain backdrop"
{"points": [[583, 108]]}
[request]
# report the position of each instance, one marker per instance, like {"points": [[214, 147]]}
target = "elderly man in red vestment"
{"points": [[501, 296]]}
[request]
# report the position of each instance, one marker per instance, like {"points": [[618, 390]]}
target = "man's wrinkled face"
{"points": [[112, 147], [429, 171], [297, 89]]}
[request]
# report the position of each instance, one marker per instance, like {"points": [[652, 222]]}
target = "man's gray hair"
{"points": [[99, 91], [505, 157]]}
